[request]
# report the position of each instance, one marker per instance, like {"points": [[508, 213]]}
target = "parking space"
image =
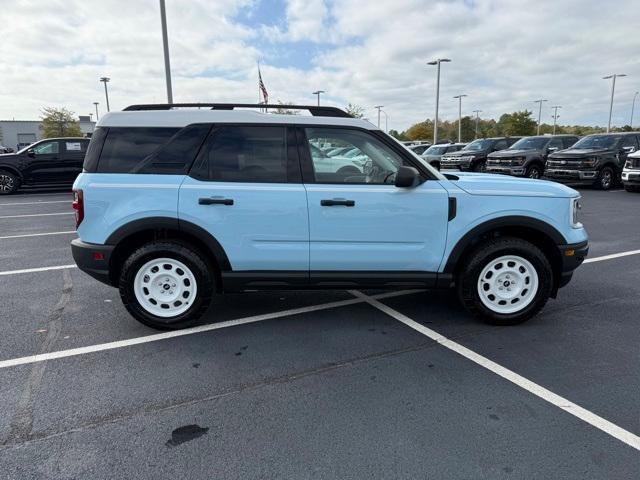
{"points": [[316, 384]]}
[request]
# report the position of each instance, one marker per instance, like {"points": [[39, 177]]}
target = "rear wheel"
{"points": [[534, 171], [505, 281], [9, 182], [606, 179], [166, 285]]}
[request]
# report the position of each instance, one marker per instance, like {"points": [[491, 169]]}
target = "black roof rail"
{"points": [[316, 111]]}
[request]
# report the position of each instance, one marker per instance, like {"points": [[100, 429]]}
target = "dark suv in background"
{"points": [[435, 152], [527, 157], [597, 159], [54, 161], [473, 157]]}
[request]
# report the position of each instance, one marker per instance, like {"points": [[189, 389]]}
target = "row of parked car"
{"points": [[603, 160]]}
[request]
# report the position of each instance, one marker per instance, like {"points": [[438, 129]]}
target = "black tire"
{"points": [[184, 253], [480, 166], [467, 279], [9, 182], [534, 171], [606, 179]]}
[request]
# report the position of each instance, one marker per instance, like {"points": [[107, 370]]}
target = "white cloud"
{"points": [[505, 53]]}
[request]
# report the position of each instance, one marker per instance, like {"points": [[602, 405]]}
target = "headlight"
{"points": [[627, 164], [576, 206], [519, 160], [591, 162]]}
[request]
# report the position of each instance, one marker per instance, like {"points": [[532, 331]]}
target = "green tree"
{"points": [[420, 131], [356, 111], [282, 110], [398, 135], [518, 123], [59, 122]]}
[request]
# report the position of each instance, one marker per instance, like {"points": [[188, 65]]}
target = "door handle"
{"points": [[337, 201], [215, 201]]}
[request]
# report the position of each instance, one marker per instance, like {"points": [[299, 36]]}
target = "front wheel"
{"points": [[534, 171], [505, 281], [166, 285], [606, 179], [9, 183]]}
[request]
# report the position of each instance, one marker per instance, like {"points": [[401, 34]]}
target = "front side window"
{"points": [[244, 154], [367, 160], [569, 141], [530, 143], [46, 148], [555, 143], [500, 145]]}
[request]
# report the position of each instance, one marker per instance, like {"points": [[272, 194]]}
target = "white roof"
{"points": [[184, 117]]}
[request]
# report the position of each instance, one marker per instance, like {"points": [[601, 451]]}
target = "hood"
{"points": [[579, 152], [465, 153], [489, 184], [512, 153]]}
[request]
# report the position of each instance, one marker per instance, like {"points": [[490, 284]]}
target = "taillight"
{"points": [[78, 206]]}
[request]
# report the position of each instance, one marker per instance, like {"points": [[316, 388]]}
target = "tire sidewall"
{"points": [[469, 281], [601, 177], [535, 167], [204, 279], [16, 183]]}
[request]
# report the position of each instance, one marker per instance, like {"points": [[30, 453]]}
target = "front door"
{"points": [[44, 163], [245, 188], [358, 219]]}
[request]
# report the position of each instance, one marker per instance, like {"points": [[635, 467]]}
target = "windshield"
{"points": [[422, 161], [531, 143], [597, 141], [477, 145], [436, 150]]}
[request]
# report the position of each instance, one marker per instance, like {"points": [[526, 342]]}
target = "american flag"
{"points": [[263, 89]]}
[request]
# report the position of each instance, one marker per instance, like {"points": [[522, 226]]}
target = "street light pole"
{"points": [[539, 112], [97, 116], [435, 123], [459, 97], [379, 107], [555, 116], [165, 46], [477, 112], [613, 89], [318, 92], [386, 121], [105, 80], [633, 104]]}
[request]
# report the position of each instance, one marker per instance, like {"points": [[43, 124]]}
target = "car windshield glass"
{"points": [[598, 141], [478, 145], [535, 143], [436, 150]]}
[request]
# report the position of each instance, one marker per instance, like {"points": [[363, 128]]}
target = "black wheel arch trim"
{"points": [[155, 223], [495, 224], [12, 169]]}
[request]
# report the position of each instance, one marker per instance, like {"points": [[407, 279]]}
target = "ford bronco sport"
{"points": [[177, 204]]}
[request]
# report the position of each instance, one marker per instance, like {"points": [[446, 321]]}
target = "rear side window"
{"points": [[244, 154], [125, 150], [500, 145], [75, 146], [569, 141]]}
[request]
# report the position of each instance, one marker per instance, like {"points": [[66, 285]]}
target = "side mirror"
{"points": [[407, 177], [552, 149], [628, 149], [31, 152]]}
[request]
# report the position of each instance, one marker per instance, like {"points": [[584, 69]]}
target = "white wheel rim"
{"points": [[165, 287], [6, 183], [507, 284]]}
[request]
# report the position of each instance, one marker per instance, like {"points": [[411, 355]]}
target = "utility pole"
{"points": [[633, 104], [555, 116], [477, 112], [97, 116], [459, 97], [379, 107], [539, 112], [165, 45], [386, 121], [435, 122], [613, 89], [106, 80], [317, 93]]}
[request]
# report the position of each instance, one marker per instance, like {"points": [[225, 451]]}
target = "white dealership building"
{"points": [[17, 134]]}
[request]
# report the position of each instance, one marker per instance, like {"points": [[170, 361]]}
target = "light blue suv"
{"points": [[177, 204]]}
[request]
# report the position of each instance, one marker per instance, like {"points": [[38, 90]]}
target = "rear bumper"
{"points": [[93, 259], [572, 257]]}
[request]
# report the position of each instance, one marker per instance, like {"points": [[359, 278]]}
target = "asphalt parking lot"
{"points": [[316, 384]]}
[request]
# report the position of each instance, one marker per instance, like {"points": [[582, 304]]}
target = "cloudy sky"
{"points": [[505, 54]]}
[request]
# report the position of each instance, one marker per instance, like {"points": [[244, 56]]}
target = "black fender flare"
{"points": [[12, 169], [511, 221], [154, 223]]}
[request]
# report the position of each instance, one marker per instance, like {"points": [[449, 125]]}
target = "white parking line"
{"points": [[612, 256], [37, 234], [190, 331], [37, 215], [576, 410], [34, 270], [36, 203]]}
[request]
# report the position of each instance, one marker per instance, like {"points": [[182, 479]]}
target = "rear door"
{"points": [[73, 152], [361, 221], [245, 189]]}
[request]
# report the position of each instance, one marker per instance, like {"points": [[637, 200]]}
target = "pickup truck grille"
{"points": [[565, 164]]}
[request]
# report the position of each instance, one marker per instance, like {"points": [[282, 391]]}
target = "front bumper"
{"points": [[514, 171], [454, 164], [571, 175], [93, 259], [631, 177], [572, 256]]}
